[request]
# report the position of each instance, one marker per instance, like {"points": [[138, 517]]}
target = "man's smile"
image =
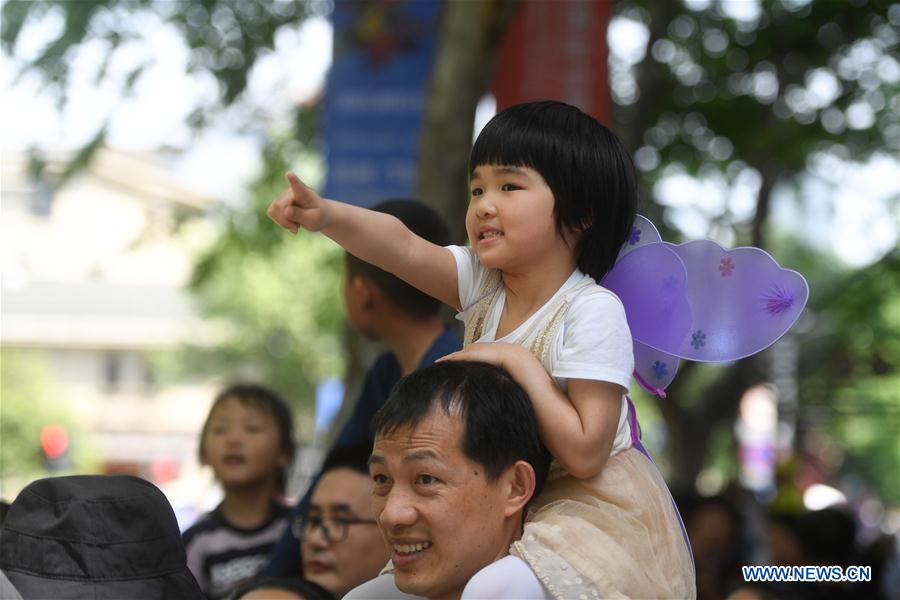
{"points": [[407, 552], [411, 548]]}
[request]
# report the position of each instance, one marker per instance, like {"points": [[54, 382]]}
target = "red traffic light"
{"points": [[54, 440]]}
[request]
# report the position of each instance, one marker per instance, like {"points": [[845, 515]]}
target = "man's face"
{"points": [[442, 518], [343, 495], [356, 291]]}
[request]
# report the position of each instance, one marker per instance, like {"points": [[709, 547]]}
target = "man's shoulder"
{"points": [[385, 361], [445, 343], [383, 373], [387, 367]]}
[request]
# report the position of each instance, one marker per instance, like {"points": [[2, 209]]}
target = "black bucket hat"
{"points": [[103, 537]]}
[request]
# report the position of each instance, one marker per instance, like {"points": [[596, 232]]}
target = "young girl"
{"points": [[553, 195], [248, 441]]}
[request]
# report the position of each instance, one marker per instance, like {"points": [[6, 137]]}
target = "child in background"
{"points": [[553, 200], [248, 441]]}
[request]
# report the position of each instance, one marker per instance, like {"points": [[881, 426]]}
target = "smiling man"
{"points": [[457, 459]]}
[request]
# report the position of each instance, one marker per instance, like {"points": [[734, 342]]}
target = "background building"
{"points": [[94, 290]]}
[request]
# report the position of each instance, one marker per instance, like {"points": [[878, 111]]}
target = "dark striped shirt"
{"points": [[221, 555]]}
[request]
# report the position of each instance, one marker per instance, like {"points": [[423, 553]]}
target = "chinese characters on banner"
{"points": [[375, 96], [377, 86]]}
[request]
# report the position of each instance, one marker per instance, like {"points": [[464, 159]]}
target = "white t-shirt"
{"points": [[593, 341]]}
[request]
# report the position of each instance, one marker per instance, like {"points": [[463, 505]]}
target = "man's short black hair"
{"points": [[500, 426], [348, 456], [424, 222], [586, 166]]}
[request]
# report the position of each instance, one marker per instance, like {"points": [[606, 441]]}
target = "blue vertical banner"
{"points": [[375, 96], [329, 396]]}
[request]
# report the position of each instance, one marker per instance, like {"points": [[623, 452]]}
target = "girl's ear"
{"points": [[521, 481], [572, 235]]}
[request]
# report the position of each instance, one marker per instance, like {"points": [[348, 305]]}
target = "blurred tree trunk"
{"points": [[691, 416], [691, 422], [634, 120], [469, 37], [469, 34]]}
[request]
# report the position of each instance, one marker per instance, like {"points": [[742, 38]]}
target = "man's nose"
{"points": [[315, 537], [398, 511]]}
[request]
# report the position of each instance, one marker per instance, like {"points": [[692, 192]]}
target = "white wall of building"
{"points": [[93, 285]]}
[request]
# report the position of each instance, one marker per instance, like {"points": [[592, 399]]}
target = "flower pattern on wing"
{"points": [[698, 339], [634, 237], [670, 285], [726, 266], [660, 369], [777, 300]]}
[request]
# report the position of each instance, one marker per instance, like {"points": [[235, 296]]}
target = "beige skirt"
{"points": [[614, 536]]}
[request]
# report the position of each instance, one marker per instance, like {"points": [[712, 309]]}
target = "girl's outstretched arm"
{"points": [[578, 429], [377, 238]]}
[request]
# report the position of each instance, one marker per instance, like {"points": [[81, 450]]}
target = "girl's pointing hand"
{"points": [[299, 206]]}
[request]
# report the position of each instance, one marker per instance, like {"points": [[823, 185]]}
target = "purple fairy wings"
{"points": [[699, 301]]}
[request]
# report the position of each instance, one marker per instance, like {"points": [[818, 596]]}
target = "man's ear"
{"points": [[364, 290], [520, 481]]}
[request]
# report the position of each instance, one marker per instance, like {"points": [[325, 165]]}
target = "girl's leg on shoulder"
{"points": [[509, 577], [380, 588]]}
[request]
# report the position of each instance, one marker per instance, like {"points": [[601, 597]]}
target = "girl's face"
{"points": [[242, 444], [510, 220]]}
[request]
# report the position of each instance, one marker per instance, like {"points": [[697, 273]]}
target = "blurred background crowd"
{"points": [[142, 140]]}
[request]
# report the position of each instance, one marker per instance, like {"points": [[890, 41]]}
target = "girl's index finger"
{"points": [[451, 356], [298, 188]]}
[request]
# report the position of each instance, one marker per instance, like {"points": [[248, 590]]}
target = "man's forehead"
{"points": [[437, 436], [342, 486]]}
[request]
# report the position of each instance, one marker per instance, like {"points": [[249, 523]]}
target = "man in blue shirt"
{"points": [[408, 321]]}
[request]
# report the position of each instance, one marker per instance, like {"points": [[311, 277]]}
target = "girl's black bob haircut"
{"points": [[586, 166]]}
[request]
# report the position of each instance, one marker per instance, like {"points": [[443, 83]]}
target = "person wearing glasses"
{"points": [[341, 545]]}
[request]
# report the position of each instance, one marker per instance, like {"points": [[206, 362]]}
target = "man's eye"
{"points": [[379, 479], [476, 191], [426, 479], [314, 521], [509, 187]]}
